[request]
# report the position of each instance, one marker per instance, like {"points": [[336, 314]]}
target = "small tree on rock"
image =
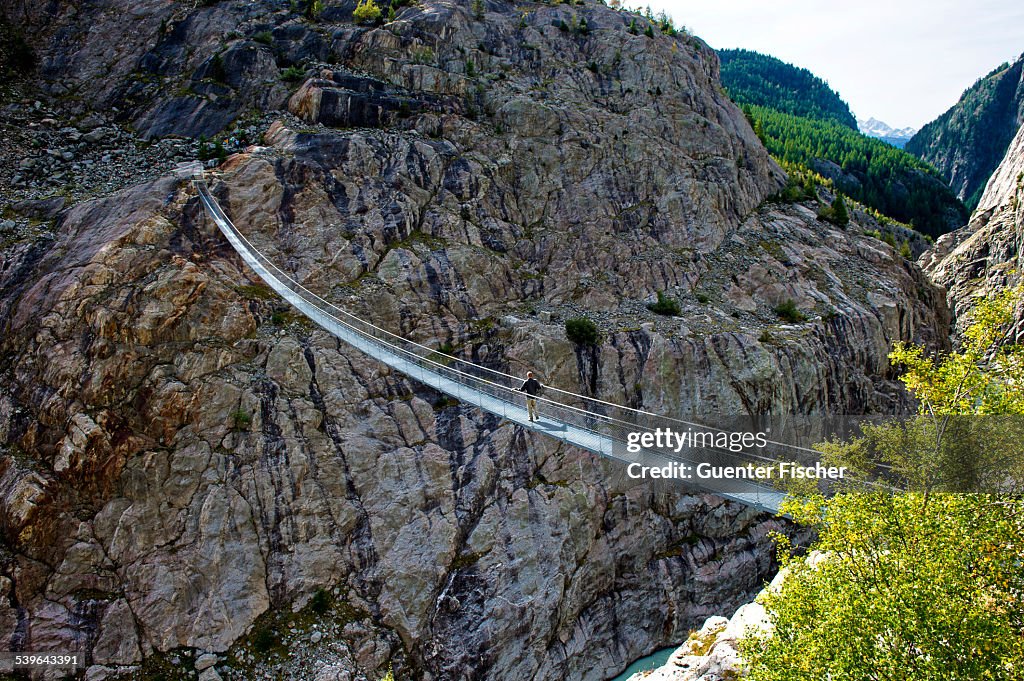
{"points": [[840, 215], [582, 331], [367, 12]]}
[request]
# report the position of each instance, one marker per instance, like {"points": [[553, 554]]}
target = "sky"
{"points": [[903, 61]]}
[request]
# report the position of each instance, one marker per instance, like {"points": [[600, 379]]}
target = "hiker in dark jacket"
{"points": [[531, 386]]}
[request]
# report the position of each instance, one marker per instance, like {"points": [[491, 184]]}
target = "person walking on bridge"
{"points": [[532, 387]]}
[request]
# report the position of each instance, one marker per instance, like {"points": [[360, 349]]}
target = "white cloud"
{"points": [[904, 62]]}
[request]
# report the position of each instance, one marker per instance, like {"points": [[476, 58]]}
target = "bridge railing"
{"points": [[598, 425]]}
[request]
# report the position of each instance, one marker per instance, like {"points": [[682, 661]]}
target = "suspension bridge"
{"points": [[601, 427]]}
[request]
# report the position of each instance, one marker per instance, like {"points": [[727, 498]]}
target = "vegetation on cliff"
{"points": [[913, 588], [968, 141], [926, 584], [753, 78], [866, 169]]}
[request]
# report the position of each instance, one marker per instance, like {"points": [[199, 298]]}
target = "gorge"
{"points": [[197, 481]]}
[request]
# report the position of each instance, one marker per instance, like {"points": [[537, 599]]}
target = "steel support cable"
{"points": [[442, 368], [490, 388], [214, 207]]}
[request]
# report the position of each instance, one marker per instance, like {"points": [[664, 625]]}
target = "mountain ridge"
{"points": [[969, 140], [754, 78]]}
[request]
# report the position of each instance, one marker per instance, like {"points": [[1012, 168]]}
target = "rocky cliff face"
{"points": [[196, 478], [967, 142], [985, 256]]}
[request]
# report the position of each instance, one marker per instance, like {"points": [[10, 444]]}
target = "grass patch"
{"points": [[256, 292]]}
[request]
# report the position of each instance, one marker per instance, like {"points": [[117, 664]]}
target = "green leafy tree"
{"points": [[927, 584], [478, 9], [909, 589], [969, 431], [837, 212], [366, 12]]}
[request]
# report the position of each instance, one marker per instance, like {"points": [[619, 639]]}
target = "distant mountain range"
{"points": [[873, 127]]}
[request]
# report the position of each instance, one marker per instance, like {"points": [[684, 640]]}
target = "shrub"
{"points": [[320, 601], [788, 312], [212, 150], [263, 640], [422, 55], [905, 251], [240, 419], [366, 12], [840, 215], [665, 306], [582, 331], [314, 8], [265, 37], [293, 73], [703, 298]]}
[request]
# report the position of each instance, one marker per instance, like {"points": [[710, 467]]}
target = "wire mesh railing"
{"points": [[602, 427]]}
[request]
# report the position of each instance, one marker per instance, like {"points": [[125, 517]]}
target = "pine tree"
{"points": [[840, 215]]}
